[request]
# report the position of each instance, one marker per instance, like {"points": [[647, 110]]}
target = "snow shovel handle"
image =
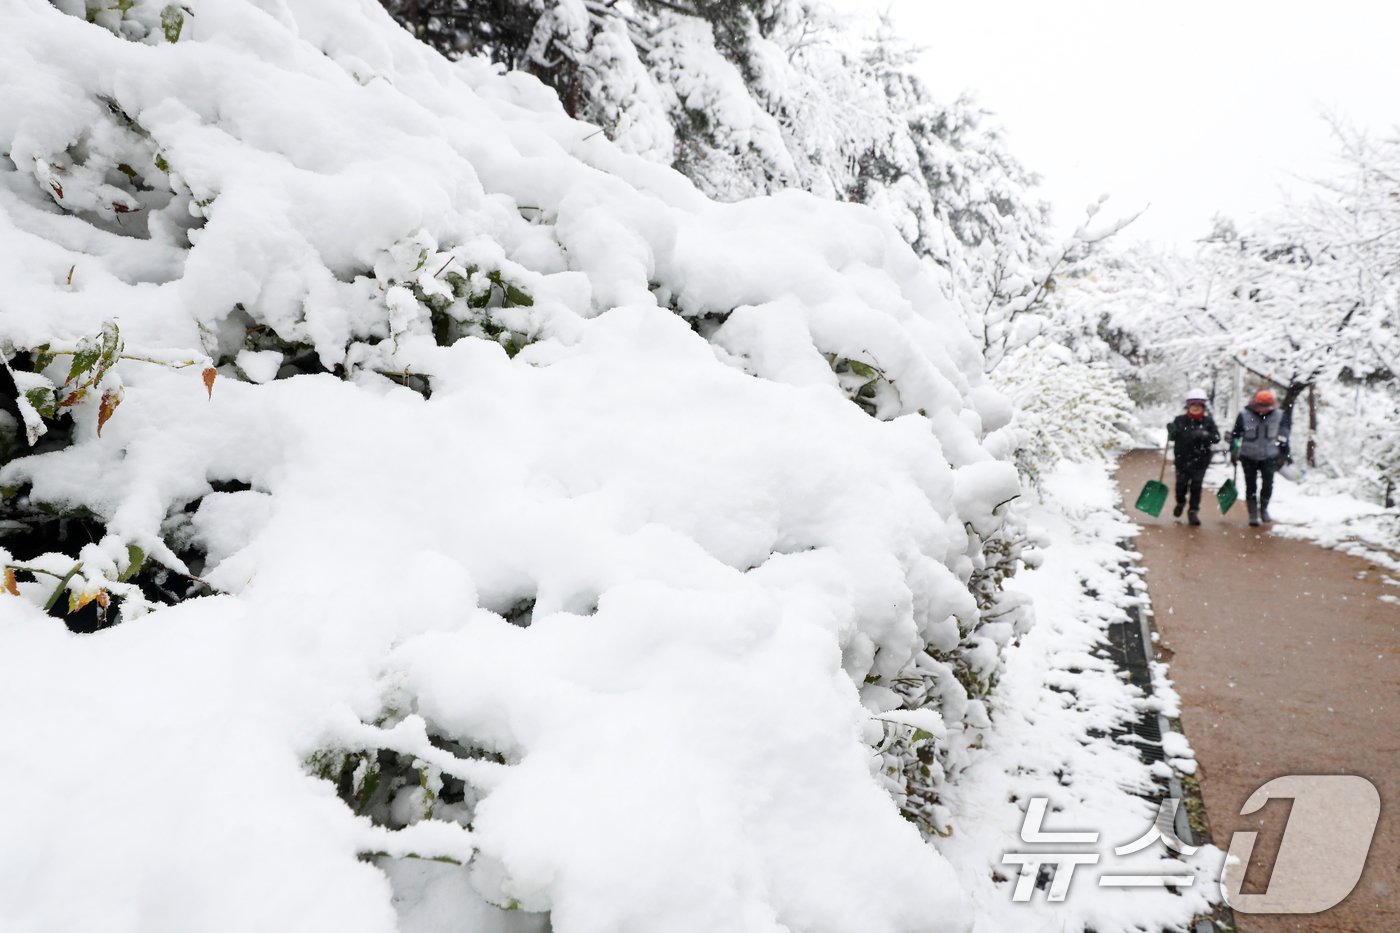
{"points": [[1163, 472]]}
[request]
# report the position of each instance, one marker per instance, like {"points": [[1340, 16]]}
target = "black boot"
{"points": [[1264, 512], [1193, 517], [1253, 513], [1176, 512]]}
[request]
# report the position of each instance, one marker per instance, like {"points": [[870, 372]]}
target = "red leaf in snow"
{"points": [[110, 401], [73, 399]]}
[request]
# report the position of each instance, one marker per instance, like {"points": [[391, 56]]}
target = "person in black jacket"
{"points": [[1194, 433]]}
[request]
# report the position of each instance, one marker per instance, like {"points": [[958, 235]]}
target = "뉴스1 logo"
{"points": [[1320, 859], [1163, 829]]}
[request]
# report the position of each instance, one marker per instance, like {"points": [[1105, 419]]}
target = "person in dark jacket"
{"points": [[1258, 439], [1194, 433]]}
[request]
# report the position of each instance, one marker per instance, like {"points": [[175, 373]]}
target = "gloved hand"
{"points": [[1283, 449]]}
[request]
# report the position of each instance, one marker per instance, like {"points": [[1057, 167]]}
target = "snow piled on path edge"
{"points": [[1055, 709]]}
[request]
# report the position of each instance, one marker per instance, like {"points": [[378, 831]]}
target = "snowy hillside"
{"points": [[465, 488]]}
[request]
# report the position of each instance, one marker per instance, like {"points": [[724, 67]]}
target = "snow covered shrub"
{"points": [[748, 97], [866, 385], [49, 391], [664, 81], [137, 20], [399, 789], [1066, 409], [459, 298], [535, 525], [1356, 443]]}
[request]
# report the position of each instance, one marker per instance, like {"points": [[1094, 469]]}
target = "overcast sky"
{"points": [[1196, 107]]}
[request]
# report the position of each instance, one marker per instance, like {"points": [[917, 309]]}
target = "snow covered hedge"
{"points": [[752, 97], [469, 489], [1066, 408]]}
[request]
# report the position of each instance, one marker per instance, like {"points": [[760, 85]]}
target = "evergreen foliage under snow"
{"points": [[484, 492]]}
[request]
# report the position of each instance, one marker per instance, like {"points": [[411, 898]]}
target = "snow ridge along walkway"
{"points": [[1287, 661]]}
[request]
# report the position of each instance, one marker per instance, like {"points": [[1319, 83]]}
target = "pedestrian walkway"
{"points": [[1287, 661]]}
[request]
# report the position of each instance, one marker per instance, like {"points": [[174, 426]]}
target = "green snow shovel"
{"points": [[1154, 492], [1228, 493]]}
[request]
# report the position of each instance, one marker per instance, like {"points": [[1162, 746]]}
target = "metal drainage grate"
{"points": [[1127, 648]]}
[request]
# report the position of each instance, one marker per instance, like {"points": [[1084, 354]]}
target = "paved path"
{"points": [[1287, 662]]}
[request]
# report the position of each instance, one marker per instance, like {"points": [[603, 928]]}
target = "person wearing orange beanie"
{"points": [[1259, 436]]}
